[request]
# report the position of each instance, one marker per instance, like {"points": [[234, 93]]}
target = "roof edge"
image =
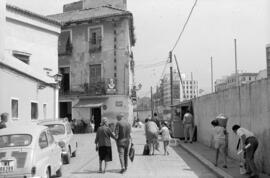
{"points": [[32, 14]]}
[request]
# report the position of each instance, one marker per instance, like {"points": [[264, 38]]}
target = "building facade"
{"points": [[28, 64], [96, 61], [230, 81], [186, 90]]}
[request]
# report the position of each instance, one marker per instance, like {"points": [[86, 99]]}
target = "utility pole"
{"points": [[180, 77], [235, 60], [192, 85], [171, 82], [151, 102], [212, 86]]}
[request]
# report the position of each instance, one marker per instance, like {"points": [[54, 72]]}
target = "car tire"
{"points": [[67, 159], [59, 172], [47, 173]]}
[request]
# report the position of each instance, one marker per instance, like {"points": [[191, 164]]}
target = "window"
{"points": [[65, 43], [22, 56], [43, 141], [95, 38], [50, 137], [44, 111], [95, 73], [14, 108], [34, 110]]}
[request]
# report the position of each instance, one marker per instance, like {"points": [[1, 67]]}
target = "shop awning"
{"points": [[90, 103]]}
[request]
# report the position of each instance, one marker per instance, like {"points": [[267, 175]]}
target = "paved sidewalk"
{"points": [[207, 156]]}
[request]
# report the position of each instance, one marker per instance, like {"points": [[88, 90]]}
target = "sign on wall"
{"points": [[119, 103]]}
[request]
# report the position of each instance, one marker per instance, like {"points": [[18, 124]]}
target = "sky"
{"points": [[211, 31]]}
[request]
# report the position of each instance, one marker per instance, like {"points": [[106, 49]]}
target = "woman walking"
{"points": [[151, 132], [165, 135], [103, 144]]}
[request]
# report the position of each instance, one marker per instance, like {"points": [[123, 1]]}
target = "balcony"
{"points": [[94, 88]]}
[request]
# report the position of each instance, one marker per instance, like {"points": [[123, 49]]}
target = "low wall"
{"points": [[249, 106]]}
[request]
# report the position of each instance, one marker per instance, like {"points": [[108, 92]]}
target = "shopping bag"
{"points": [[131, 153], [146, 150]]}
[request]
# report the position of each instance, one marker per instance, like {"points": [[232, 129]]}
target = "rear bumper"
{"points": [[18, 176]]}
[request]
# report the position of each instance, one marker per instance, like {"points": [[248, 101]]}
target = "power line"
{"points": [[183, 29]]}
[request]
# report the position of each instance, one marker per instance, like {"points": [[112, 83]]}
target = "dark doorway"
{"points": [[65, 110], [97, 117]]}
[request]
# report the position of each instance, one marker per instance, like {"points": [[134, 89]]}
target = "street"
{"points": [[178, 164]]}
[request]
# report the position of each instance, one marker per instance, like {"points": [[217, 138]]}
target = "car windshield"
{"points": [[56, 129], [15, 140]]}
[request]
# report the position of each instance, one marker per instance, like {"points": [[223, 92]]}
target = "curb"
{"points": [[206, 162]]}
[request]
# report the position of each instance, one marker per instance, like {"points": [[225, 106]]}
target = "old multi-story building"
{"points": [[230, 81], [28, 64], [96, 60]]}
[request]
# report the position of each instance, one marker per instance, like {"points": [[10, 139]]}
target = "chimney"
{"points": [[73, 6], [121, 4]]}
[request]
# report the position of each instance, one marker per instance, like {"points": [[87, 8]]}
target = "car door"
{"points": [[70, 138], [55, 154], [43, 159]]}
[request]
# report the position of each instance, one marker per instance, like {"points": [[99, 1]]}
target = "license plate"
{"points": [[6, 166]]}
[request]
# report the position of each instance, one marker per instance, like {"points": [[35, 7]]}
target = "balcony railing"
{"points": [[94, 88]]}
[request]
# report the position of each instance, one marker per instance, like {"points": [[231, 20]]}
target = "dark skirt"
{"points": [[105, 153]]}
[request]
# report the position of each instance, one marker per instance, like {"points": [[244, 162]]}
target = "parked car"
{"points": [[29, 150], [61, 130]]}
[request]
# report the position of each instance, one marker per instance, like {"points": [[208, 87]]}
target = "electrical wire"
{"points": [[183, 29]]}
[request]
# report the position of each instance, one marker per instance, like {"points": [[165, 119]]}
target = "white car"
{"points": [[29, 150], [61, 130]]}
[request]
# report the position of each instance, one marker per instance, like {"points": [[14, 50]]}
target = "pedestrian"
{"points": [[165, 135], [156, 120], [4, 120], [188, 126], [103, 144], [250, 144], [123, 137], [219, 140], [151, 133]]}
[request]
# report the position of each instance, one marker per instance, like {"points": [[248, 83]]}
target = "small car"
{"points": [[61, 130], [29, 150]]}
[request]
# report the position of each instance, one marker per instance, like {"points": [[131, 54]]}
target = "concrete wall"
{"points": [[25, 90], [248, 106], [2, 25], [32, 36]]}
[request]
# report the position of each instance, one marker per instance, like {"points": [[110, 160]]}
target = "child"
{"points": [[219, 139], [165, 135]]}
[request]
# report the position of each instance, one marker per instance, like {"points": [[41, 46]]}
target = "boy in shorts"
{"points": [[219, 140]]}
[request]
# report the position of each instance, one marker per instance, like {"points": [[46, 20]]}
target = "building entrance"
{"points": [[96, 112], [65, 110]]}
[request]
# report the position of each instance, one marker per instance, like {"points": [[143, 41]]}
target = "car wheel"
{"points": [[67, 158], [59, 172], [47, 173]]}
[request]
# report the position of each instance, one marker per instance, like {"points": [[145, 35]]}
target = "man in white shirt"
{"points": [[247, 137], [188, 123]]}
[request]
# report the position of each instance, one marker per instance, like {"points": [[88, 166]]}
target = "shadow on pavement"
{"points": [[116, 171], [187, 158]]}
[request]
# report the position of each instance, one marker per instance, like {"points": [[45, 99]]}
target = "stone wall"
{"points": [[249, 106]]}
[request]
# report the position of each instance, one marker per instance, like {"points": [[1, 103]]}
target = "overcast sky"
{"points": [[210, 32]]}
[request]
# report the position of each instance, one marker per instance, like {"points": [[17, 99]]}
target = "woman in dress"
{"points": [[103, 143]]}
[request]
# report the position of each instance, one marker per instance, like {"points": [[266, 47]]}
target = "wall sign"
{"points": [[119, 103]]}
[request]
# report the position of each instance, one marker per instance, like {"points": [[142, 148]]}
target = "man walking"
{"points": [[4, 120], [122, 134], [188, 126], [248, 138]]}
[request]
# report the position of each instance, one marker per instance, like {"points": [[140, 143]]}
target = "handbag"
{"points": [[131, 153], [146, 150]]}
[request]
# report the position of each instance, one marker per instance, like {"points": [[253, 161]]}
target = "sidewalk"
{"points": [[207, 156]]}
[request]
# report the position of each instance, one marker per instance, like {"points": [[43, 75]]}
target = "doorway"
{"points": [[65, 110], [96, 112]]}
